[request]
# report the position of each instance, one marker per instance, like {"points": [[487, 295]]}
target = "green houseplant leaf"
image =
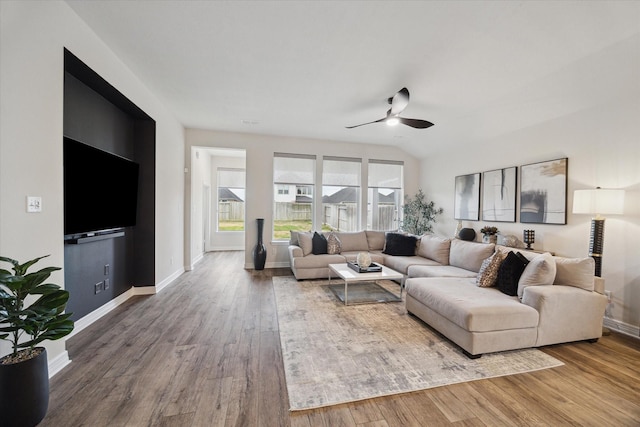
{"points": [[42, 319], [419, 214]]}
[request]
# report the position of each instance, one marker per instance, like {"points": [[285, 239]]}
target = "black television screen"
{"points": [[100, 189]]}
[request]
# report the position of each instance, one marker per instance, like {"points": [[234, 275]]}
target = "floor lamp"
{"points": [[596, 202]]}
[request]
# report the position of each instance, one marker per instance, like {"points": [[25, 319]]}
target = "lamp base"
{"points": [[596, 243]]}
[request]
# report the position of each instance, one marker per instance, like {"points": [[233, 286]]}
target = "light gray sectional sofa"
{"points": [[558, 299]]}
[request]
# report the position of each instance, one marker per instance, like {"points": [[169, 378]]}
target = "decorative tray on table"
{"points": [[373, 268]]}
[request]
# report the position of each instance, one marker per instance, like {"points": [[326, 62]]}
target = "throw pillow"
{"points": [[333, 244], [540, 271], [397, 244], [319, 244], [435, 248], [577, 272], [509, 273], [489, 270], [305, 243], [293, 240]]}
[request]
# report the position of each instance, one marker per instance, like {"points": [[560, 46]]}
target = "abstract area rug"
{"points": [[337, 354], [365, 293]]}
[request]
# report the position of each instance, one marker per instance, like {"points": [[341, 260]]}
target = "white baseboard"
{"points": [[225, 248], [166, 282], [195, 261], [96, 314], [57, 364], [624, 328]]}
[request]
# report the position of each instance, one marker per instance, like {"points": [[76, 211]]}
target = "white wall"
{"points": [[33, 36], [603, 147], [259, 167]]}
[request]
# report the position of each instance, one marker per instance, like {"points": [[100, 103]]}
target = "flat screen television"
{"points": [[100, 190]]}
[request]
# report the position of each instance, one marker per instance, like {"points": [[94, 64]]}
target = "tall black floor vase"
{"points": [[260, 250]]}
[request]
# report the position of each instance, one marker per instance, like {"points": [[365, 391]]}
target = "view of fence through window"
{"points": [[231, 198], [293, 181], [341, 193], [293, 192]]}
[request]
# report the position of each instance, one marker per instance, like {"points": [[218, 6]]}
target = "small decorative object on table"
{"points": [[468, 234], [529, 237], [364, 259], [489, 234], [371, 268]]}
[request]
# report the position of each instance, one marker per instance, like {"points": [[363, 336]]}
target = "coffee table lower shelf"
{"points": [[351, 277]]}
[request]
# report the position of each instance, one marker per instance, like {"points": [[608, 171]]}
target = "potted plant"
{"points": [[419, 215], [31, 311], [489, 234]]}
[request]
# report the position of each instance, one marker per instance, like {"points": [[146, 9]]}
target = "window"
{"points": [[293, 181], [231, 197], [341, 193], [385, 195]]}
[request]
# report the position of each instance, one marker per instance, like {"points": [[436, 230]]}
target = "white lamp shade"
{"points": [[598, 201]]}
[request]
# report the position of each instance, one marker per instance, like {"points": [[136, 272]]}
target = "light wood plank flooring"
{"points": [[206, 352]]}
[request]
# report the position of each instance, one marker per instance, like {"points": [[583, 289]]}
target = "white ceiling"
{"points": [[477, 69]]}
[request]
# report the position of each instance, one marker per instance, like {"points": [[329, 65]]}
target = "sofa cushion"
{"points": [[540, 271], [317, 261], [397, 244], [305, 240], [353, 241], [401, 264], [293, 240], [488, 273], [469, 255], [375, 239], [472, 308], [577, 272], [435, 248], [334, 246], [509, 273], [439, 271], [319, 244]]}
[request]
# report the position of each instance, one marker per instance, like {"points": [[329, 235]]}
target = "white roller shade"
{"points": [[293, 169], [341, 172], [385, 174]]}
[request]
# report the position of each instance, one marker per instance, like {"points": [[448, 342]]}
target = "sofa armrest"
{"points": [[598, 285], [566, 313], [295, 252]]}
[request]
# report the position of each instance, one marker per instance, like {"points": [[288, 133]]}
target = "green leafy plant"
{"points": [[419, 214], [43, 319], [489, 231]]}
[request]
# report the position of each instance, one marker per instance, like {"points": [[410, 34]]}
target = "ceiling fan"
{"points": [[399, 102]]}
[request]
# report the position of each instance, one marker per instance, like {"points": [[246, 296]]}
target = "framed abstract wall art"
{"points": [[543, 192], [499, 195], [466, 204]]}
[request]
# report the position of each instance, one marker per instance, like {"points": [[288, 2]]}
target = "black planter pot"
{"points": [[260, 250], [24, 392]]}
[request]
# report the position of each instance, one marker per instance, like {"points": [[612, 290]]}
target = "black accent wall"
{"points": [[97, 114]]}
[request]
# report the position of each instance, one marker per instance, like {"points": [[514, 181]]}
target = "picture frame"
{"points": [[499, 193], [466, 204], [543, 192]]}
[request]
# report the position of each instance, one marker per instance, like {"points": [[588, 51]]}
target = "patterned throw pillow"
{"points": [[334, 246], [489, 270]]}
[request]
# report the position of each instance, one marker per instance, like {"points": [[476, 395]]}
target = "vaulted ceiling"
{"points": [[477, 69]]}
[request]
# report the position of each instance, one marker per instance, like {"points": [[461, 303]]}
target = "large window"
{"points": [[385, 195], [231, 197], [341, 193], [293, 181]]}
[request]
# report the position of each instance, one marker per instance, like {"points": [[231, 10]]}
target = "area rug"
{"points": [[337, 354], [365, 293]]}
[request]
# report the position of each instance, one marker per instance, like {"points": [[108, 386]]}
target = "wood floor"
{"points": [[206, 352]]}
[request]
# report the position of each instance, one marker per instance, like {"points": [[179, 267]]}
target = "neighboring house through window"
{"points": [[231, 198], [341, 193], [385, 195], [293, 182]]}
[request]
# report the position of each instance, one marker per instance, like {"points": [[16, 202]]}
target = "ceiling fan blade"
{"points": [[399, 101], [415, 123], [377, 121]]}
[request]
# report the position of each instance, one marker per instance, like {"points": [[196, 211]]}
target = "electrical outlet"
{"points": [[97, 288], [106, 269], [107, 284]]}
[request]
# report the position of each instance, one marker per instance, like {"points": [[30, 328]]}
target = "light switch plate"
{"points": [[34, 204]]}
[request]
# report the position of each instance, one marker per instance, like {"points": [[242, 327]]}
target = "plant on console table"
{"points": [[31, 311], [419, 214], [489, 234]]}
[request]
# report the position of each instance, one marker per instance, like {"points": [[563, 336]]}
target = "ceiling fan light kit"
{"points": [[398, 102]]}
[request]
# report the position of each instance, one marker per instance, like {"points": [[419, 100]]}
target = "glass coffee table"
{"points": [[350, 276]]}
